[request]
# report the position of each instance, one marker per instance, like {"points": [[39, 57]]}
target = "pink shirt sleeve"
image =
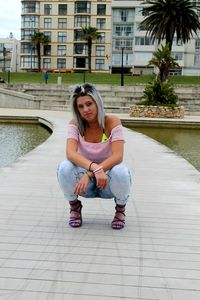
{"points": [[72, 132], [117, 134]]}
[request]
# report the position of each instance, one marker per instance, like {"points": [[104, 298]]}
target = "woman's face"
{"points": [[87, 108]]}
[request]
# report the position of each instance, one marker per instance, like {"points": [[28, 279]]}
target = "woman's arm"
{"points": [[116, 156], [73, 155]]}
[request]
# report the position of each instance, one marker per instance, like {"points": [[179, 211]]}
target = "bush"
{"points": [[158, 93]]}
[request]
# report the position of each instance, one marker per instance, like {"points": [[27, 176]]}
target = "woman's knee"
{"points": [[120, 173], [65, 169]]}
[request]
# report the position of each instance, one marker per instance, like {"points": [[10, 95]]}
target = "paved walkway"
{"points": [[156, 256]]}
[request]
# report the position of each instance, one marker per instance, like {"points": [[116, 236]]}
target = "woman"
{"points": [[94, 152]]}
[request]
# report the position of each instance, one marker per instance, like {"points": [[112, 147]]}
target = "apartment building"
{"points": [[9, 54], [62, 22], [138, 48], [117, 22]]}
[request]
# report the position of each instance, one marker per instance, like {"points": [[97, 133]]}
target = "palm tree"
{"points": [[90, 34], [39, 39], [167, 18], [163, 60]]}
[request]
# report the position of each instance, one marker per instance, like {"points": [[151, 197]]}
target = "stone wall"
{"points": [[116, 99], [156, 111]]}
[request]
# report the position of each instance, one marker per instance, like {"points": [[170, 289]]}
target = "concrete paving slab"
{"points": [[156, 256]]}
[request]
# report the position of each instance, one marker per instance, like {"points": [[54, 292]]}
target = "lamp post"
{"points": [[4, 59], [31, 49], [31, 46], [122, 67]]}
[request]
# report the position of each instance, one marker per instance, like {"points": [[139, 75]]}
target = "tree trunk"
{"points": [[89, 54], [39, 57]]}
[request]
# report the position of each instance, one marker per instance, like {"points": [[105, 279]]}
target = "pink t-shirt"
{"points": [[96, 152]]}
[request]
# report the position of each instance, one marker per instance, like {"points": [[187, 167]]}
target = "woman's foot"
{"points": [[75, 214], [119, 218]]}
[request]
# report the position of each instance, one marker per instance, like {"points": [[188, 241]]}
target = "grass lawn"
{"points": [[114, 79]]}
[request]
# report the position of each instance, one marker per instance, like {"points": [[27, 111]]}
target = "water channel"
{"points": [[16, 139], [185, 142]]}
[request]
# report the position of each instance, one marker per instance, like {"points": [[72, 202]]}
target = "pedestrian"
{"points": [[46, 77], [94, 150]]}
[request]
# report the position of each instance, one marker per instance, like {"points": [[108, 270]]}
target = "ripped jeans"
{"points": [[119, 183]]}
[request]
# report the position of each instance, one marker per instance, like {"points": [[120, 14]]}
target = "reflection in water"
{"points": [[18, 139], [185, 142]]}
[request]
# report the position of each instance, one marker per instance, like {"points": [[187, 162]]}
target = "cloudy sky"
{"points": [[10, 18]]}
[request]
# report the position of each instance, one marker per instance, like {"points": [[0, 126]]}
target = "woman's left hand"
{"points": [[82, 184], [101, 179]]}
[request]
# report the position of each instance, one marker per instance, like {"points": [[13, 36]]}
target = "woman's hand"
{"points": [[82, 184], [101, 179]]}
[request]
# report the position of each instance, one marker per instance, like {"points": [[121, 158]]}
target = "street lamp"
{"points": [[4, 59], [31, 46], [122, 67]]}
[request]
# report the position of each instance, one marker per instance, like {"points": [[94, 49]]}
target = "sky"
{"points": [[10, 18]]}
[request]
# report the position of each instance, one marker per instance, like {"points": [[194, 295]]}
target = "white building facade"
{"points": [[9, 54], [138, 48], [117, 22]]}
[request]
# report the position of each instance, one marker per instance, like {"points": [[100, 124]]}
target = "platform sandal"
{"points": [[117, 222], [76, 221]]}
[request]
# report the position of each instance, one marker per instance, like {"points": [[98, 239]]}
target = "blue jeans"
{"points": [[119, 183]]}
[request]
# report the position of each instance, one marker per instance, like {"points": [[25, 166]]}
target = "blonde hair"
{"points": [[90, 90]]}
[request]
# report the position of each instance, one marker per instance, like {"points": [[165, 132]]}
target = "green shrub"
{"points": [[158, 93]]}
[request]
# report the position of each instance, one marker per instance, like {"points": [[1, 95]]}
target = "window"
{"points": [[82, 21], [78, 34], [80, 62], [127, 59], [61, 63], [62, 23], [175, 72], [101, 23], [25, 48], [47, 34], [126, 44], [27, 34], [80, 49], [47, 23], [177, 43], [82, 7], [101, 38], [29, 62], [143, 41], [47, 9], [101, 9], [61, 50], [177, 55], [30, 21], [123, 30], [100, 64], [100, 50], [62, 37], [62, 9], [47, 63], [47, 50], [197, 60], [197, 45], [30, 7], [124, 15]]}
